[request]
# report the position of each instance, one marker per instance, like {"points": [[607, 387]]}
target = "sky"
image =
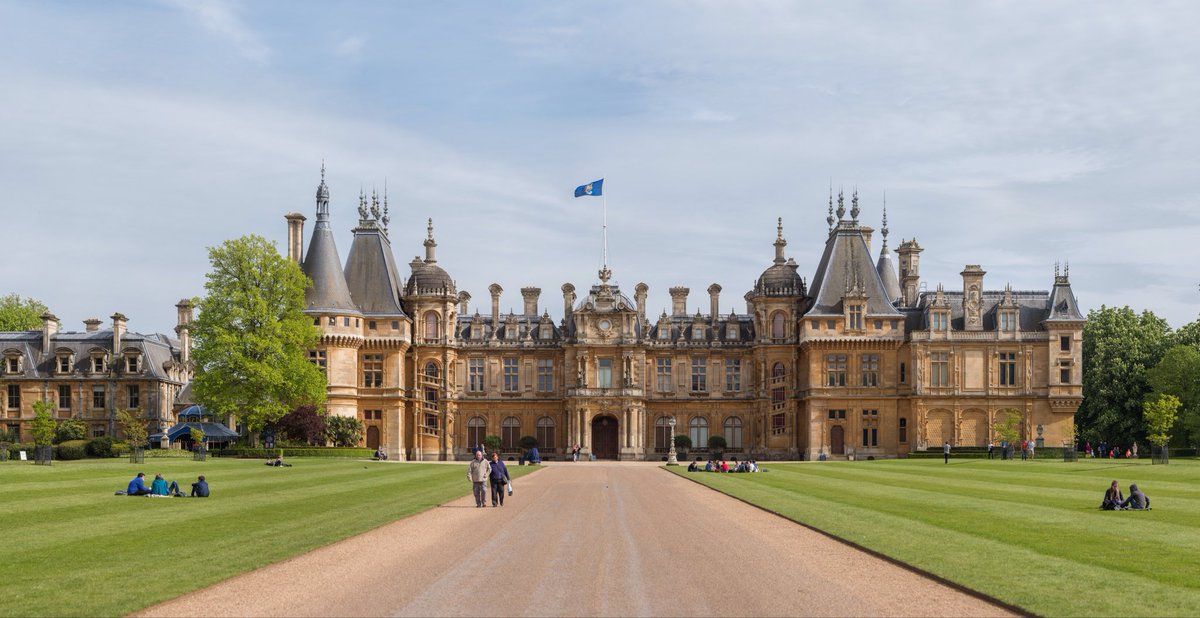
{"points": [[135, 135]]}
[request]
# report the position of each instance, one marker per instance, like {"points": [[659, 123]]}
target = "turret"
{"points": [[910, 270]]}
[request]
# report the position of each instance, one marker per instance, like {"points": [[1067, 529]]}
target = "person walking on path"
{"points": [[499, 478], [575, 452], [946, 451], [477, 472]]}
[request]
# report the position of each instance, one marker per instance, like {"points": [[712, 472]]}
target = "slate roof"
{"points": [[887, 274], [371, 274], [1033, 307], [156, 350], [847, 261]]}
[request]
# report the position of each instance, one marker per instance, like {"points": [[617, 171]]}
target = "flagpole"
{"points": [[605, 199]]}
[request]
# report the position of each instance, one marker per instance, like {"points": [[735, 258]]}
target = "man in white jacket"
{"points": [[477, 472]]}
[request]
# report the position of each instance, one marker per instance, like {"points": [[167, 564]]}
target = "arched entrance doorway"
{"points": [[837, 440], [604, 437], [372, 437]]}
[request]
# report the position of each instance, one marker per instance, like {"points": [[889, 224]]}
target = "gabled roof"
{"points": [[371, 273], [846, 263], [1062, 305]]}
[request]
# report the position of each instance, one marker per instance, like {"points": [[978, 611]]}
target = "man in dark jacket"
{"points": [[200, 488], [1137, 501]]}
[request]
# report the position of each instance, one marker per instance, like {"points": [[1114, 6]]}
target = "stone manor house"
{"points": [[859, 361]]}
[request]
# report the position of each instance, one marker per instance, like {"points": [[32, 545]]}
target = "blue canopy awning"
{"points": [[213, 432]]}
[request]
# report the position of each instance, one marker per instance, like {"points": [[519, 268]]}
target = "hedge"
{"points": [[70, 450], [312, 451]]}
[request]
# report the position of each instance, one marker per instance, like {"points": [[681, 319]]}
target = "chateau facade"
{"points": [[861, 362]]}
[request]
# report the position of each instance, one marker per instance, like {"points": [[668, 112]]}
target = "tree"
{"points": [[197, 436], [1119, 348], [1178, 374], [492, 444], [717, 443], [70, 429], [18, 315], [1008, 426], [1188, 334], [683, 441], [133, 427], [303, 424], [43, 424], [343, 430], [252, 336], [1160, 414]]}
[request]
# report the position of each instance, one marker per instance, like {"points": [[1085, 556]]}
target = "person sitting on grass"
{"points": [[1113, 499], [692, 467], [278, 462], [160, 488], [200, 488], [137, 487], [1137, 501], [380, 454]]}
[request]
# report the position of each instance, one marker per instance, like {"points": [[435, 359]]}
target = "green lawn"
{"points": [[73, 548], [1028, 533]]}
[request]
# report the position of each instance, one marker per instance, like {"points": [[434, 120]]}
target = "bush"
{"points": [[100, 447], [312, 451], [492, 444], [344, 431], [716, 443], [302, 425], [71, 450], [683, 441], [70, 429], [527, 442], [14, 450]]}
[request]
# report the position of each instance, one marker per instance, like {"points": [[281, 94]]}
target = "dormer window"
{"points": [[1008, 321], [938, 321], [477, 331], [698, 332], [546, 332], [63, 363], [133, 363], [510, 331], [854, 317], [731, 332], [99, 363], [12, 364]]}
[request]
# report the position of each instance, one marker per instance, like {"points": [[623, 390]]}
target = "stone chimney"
{"points": [[182, 331], [295, 223], [118, 332], [92, 325], [867, 232], [531, 295], [49, 328], [910, 270], [639, 295], [495, 289], [464, 303], [972, 276], [568, 291], [679, 296], [714, 303]]}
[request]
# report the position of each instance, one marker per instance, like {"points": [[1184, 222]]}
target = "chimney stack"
{"points": [[531, 296], [568, 291], [495, 289], [639, 295], [181, 329], [92, 325], [714, 296], [464, 303], [679, 296], [295, 223], [49, 328], [118, 332]]}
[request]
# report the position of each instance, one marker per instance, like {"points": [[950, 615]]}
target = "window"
{"points": [[870, 427], [1064, 372], [604, 372], [511, 376], [510, 433], [778, 331], [1064, 343], [698, 332], [431, 324], [733, 374], [903, 374], [698, 431], [835, 368], [395, 324], [662, 373], [545, 432], [733, 432], [777, 397], [878, 324], [869, 369], [731, 332], [332, 321], [64, 397], [855, 317], [546, 332], [939, 369], [98, 397], [475, 377], [903, 430], [133, 395], [1008, 321], [1008, 369], [132, 363], [12, 364], [345, 321], [895, 324], [14, 396], [662, 433], [835, 415], [98, 433], [778, 370], [370, 324], [476, 428], [778, 424], [372, 370], [317, 357], [372, 415], [699, 374], [64, 363], [98, 364], [830, 324], [545, 374], [937, 321], [816, 324]]}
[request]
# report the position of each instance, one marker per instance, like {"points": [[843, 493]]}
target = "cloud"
{"points": [[221, 18], [351, 46]]}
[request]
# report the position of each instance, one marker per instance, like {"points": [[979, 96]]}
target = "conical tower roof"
{"points": [[328, 292]]}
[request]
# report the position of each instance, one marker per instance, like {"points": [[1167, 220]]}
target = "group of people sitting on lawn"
{"points": [[715, 465], [1114, 501], [160, 489]]}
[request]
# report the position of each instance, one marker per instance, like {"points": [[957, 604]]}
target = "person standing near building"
{"points": [[477, 472], [991, 447], [575, 452], [498, 477], [946, 451]]}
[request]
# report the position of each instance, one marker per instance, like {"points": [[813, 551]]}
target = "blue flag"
{"points": [[591, 188]]}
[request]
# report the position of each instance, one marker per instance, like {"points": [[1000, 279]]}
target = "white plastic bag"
{"points": [[510, 484]]}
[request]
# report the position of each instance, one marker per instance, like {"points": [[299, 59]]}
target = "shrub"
{"points": [[42, 426], [683, 441], [70, 429], [716, 443], [527, 442], [14, 450], [70, 450], [344, 431], [492, 444], [302, 425], [313, 451], [100, 447]]}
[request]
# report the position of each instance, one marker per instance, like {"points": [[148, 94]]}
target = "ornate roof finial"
{"points": [[884, 232], [323, 199], [386, 219], [1067, 269], [829, 219], [362, 204], [854, 206], [374, 204], [841, 209], [322, 170], [779, 228], [430, 244], [1056, 269], [780, 243], [429, 228]]}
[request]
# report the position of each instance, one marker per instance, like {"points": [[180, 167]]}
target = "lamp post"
{"points": [[671, 459]]}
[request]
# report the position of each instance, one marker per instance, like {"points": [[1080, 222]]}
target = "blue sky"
{"points": [[1013, 135]]}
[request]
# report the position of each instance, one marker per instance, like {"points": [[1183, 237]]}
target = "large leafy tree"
{"points": [[1178, 375], [1119, 348], [1160, 412], [252, 336], [17, 314]]}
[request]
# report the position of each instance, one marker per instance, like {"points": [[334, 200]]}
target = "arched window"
{"points": [[777, 370], [545, 433], [431, 324], [698, 431], [510, 433], [778, 330], [733, 432], [662, 434], [476, 430]]}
